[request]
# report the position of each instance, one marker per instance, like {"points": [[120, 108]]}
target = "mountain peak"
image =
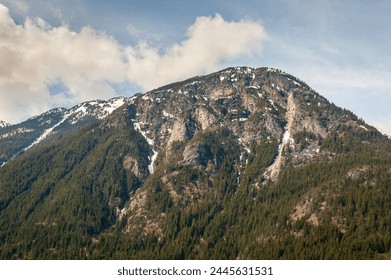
{"points": [[256, 105], [240, 163]]}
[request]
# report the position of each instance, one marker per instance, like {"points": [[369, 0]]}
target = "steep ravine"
{"points": [[273, 170]]}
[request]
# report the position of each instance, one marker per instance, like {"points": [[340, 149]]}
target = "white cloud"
{"points": [[210, 40], [20, 6], [35, 56]]}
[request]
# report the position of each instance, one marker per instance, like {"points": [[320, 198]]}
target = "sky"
{"points": [[59, 53]]}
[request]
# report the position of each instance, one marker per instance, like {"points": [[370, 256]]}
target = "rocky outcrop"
{"points": [[256, 105], [131, 164]]}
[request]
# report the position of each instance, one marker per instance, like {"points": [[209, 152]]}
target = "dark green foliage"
{"points": [[258, 161], [304, 138], [67, 193]]}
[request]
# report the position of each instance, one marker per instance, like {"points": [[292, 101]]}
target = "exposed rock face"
{"points": [[256, 106], [286, 141], [205, 119], [131, 164], [196, 154], [178, 132]]}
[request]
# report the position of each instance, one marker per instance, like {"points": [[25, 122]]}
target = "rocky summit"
{"points": [[239, 164]]}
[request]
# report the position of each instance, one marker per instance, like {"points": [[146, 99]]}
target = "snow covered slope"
{"points": [[18, 138]]}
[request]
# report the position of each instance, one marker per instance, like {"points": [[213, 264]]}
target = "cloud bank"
{"points": [[209, 41], [36, 57]]}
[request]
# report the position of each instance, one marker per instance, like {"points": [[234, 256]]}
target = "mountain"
{"points": [[239, 164], [51, 125]]}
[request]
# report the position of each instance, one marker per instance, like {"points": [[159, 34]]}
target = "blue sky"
{"points": [[71, 51]]}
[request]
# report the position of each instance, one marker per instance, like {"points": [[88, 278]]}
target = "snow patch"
{"points": [[168, 115], [245, 147], [131, 99], [137, 127], [384, 132], [114, 104], [287, 139], [152, 159], [146, 97], [16, 131], [269, 69], [4, 124], [234, 78], [82, 109], [271, 102], [193, 83], [253, 87], [47, 132], [150, 142], [296, 83], [364, 127]]}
